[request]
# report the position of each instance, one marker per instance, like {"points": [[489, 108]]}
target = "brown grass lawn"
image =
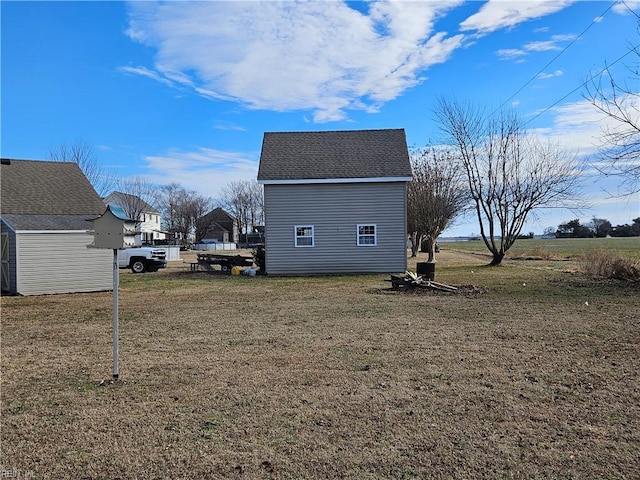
{"points": [[535, 376]]}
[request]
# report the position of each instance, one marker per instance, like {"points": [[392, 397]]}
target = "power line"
{"points": [[632, 50], [558, 55]]}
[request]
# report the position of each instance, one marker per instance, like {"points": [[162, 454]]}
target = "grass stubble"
{"points": [[327, 377]]}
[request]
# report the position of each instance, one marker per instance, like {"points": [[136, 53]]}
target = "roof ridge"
{"points": [[35, 161], [338, 131]]}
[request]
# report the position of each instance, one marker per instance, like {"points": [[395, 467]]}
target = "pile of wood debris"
{"points": [[412, 281]]}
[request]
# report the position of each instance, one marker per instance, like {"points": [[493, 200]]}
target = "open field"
{"points": [[533, 376], [560, 248]]}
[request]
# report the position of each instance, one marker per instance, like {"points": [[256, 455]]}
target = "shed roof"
{"points": [[118, 212], [46, 195], [334, 155]]}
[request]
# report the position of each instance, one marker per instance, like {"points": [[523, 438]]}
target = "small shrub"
{"points": [[606, 264]]}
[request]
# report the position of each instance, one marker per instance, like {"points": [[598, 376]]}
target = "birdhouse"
{"points": [[113, 229]]}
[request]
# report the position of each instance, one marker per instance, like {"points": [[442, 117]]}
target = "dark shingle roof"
{"points": [[218, 215], [347, 154], [43, 195]]}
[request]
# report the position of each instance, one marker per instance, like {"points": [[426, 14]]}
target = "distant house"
{"points": [[335, 202], [44, 208], [147, 217], [217, 226]]}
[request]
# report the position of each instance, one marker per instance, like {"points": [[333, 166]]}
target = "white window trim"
{"points": [[374, 235], [296, 237]]}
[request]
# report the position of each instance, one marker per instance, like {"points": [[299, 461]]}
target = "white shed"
{"points": [[44, 230]]}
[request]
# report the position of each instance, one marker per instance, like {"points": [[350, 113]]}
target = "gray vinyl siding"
{"points": [[334, 210], [61, 263]]}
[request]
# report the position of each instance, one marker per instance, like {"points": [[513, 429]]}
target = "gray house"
{"points": [[44, 207], [335, 202]]}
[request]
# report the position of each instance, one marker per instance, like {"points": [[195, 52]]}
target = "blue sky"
{"points": [[183, 92]]}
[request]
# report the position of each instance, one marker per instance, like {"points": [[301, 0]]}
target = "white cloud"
{"points": [[325, 57], [544, 76], [283, 56], [628, 7], [576, 126], [224, 125], [511, 53], [548, 45], [145, 72], [204, 170], [538, 46], [582, 118], [542, 46], [497, 14]]}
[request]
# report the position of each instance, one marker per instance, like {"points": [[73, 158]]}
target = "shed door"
{"points": [[4, 245]]}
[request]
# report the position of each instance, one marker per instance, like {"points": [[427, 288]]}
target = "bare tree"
{"points": [[435, 197], [244, 200], [166, 197], [135, 195], [510, 173], [102, 179], [619, 99], [181, 210]]}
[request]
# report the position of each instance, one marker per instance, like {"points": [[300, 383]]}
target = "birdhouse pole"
{"points": [[116, 281], [113, 230]]}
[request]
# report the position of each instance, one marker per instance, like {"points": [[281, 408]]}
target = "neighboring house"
{"points": [[44, 208], [147, 217], [218, 226], [335, 202]]}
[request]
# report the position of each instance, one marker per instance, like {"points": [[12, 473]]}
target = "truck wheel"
{"points": [[138, 265], [225, 267]]}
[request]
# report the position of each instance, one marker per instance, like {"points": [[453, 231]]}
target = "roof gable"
{"points": [[218, 215], [130, 202], [31, 187], [334, 155]]}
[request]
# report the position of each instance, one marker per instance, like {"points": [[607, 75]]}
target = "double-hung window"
{"points": [[304, 235], [367, 235]]}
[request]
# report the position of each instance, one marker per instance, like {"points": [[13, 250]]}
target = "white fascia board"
{"points": [[299, 181]]}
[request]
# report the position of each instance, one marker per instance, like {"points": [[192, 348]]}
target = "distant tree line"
{"points": [[598, 227]]}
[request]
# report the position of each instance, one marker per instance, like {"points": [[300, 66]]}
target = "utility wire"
{"points": [[558, 55], [632, 50]]}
